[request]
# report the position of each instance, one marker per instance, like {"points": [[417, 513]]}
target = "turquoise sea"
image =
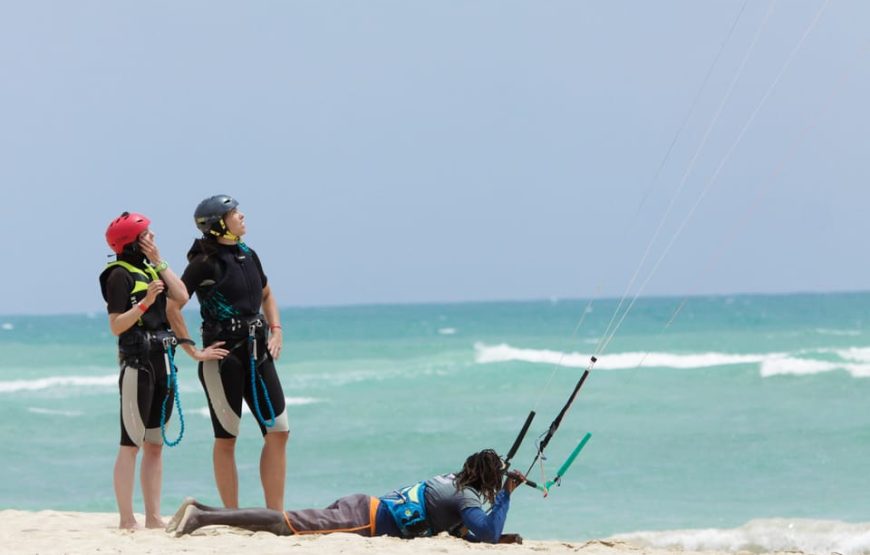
{"points": [[743, 424]]}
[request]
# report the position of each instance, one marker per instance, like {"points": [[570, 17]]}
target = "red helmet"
{"points": [[125, 229]]}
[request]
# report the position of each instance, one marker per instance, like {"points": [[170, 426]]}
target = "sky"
{"points": [[449, 151]]}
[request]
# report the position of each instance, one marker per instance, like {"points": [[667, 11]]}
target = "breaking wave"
{"points": [[855, 361], [762, 536]]}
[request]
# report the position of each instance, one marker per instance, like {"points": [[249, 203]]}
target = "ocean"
{"points": [[741, 425]]}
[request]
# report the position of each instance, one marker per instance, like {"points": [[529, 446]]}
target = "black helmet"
{"points": [[211, 211]]}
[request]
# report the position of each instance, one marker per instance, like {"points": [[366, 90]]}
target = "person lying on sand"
{"points": [[452, 503]]}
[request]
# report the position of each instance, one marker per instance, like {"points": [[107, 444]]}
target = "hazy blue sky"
{"points": [[399, 151]]}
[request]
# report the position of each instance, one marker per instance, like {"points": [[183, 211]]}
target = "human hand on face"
{"points": [[149, 247]]}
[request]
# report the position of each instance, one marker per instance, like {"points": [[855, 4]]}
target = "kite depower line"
{"points": [[621, 313]]}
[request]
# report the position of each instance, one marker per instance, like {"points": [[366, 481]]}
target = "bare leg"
{"points": [[123, 478], [273, 468], [151, 476], [225, 474], [256, 520]]}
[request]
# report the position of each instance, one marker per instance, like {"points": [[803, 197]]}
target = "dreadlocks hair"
{"points": [[483, 472]]}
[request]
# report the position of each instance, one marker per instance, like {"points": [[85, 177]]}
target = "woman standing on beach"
{"points": [[135, 287], [236, 361]]}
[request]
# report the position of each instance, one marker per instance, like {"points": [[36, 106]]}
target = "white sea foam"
{"points": [[764, 535], [50, 382], [54, 412], [804, 367], [7, 326], [854, 354], [827, 331], [618, 361], [447, 331], [187, 383], [288, 401], [855, 361], [14, 386], [796, 366]]}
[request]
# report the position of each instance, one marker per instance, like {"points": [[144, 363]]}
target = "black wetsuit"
{"points": [[228, 281], [142, 382]]}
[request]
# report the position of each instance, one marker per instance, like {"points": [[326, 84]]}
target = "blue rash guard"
{"points": [[449, 509], [487, 527]]}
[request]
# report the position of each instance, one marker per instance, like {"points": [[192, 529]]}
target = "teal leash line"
{"points": [[171, 386], [252, 345]]}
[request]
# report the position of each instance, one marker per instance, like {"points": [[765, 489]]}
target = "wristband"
{"points": [[186, 341], [275, 327], [162, 266], [142, 306]]}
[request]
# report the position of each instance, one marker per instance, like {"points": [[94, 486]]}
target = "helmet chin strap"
{"points": [[225, 233]]}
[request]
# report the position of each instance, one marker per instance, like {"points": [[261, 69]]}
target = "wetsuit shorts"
{"points": [[356, 514], [143, 389], [228, 381]]}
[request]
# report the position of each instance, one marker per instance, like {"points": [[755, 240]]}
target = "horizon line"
{"points": [[551, 300]]}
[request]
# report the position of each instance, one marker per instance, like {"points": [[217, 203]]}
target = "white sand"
{"points": [[71, 532]]}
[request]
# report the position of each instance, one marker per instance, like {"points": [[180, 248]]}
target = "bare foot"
{"points": [[176, 518], [189, 521], [129, 525], [154, 523]]}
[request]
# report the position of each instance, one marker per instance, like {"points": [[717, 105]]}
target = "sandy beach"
{"points": [[26, 532]]}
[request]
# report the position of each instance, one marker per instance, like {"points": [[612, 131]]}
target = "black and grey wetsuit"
{"points": [[228, 281], [142, 383]]}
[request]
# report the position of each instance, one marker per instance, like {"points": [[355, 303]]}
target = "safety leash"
{"points": [[171, 387], [252, 345]]}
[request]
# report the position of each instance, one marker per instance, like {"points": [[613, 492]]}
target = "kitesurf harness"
{"points": [[233, 331], [408, 508], [137, 340]]}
